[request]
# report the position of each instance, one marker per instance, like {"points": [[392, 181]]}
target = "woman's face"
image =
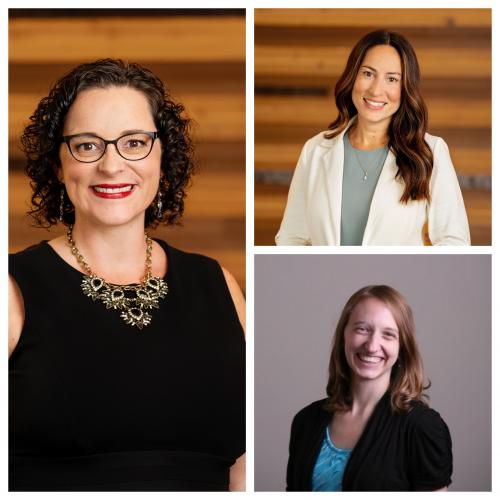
{"points": [[377, 89], [371, 340], [111, 190]]}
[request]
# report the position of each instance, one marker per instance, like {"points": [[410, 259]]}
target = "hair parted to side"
{"points": [[408, 125], [407, 376], [41, 139]]}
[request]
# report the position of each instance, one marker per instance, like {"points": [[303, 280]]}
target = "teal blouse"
{"points": [[329, 469]]}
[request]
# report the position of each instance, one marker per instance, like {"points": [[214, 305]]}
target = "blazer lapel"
{"points": [[383, 196], [333, 168]]}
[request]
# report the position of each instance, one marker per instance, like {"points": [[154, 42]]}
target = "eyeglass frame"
{"points": [[66, 139]]}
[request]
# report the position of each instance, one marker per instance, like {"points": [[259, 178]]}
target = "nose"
{"points": [[372, 344], [111, 162], [376, 87]]}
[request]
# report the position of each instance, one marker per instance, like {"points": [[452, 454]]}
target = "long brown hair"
{"points": [[407, 376], [408, 124]]}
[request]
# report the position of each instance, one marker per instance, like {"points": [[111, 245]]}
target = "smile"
{"points": [[366, 358], [373, 104], [113, 191]]}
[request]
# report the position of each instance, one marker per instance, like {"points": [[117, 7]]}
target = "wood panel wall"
{"points": [[200, 55], [299, 56]]}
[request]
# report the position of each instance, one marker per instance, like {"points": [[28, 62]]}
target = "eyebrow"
{"points": [[375, 71], [124, 132]]}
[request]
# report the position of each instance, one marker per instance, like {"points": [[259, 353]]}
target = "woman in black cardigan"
{"points": [[374, 432]]}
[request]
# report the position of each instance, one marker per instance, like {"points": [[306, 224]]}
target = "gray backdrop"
{"points": [[298, 299]]}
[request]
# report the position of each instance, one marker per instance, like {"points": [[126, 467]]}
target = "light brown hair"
{"points": [[407, 376], [409, 123]]}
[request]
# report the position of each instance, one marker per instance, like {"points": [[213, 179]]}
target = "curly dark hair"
{"points": [[41, 139]]}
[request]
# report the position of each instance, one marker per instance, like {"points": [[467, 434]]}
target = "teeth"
{"points": [[113, 190], [369, 359], [375, 103]]}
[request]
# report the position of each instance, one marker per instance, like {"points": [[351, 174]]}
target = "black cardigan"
{"points": [[396, 452]]}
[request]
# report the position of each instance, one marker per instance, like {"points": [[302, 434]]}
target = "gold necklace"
{"points": [[132, 300], [376, 162], [365, 170]]}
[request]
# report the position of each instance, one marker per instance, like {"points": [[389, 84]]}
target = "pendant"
{"points": [[114, 298], [131, 300], [365, 177], [136, 317]]}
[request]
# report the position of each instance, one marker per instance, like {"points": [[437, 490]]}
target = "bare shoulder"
{"points": [[236, 295], [60, 246], [16, 314]]}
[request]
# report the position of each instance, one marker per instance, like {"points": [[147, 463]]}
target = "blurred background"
{"points": [[200, 56], [300, 54]]}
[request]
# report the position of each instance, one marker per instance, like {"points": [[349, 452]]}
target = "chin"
{"points": [[114, 218]]}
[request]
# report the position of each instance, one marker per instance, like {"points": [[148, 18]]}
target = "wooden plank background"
{"points": [[301, 53], [201, 58]]}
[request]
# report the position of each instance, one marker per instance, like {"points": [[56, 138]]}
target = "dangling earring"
{"points": [[61, 205], [159, 206]]}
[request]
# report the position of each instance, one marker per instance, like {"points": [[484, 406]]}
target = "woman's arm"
{"points": [[430, 457], [447, 216], [236, 295], [16, 314], [237, 475]]}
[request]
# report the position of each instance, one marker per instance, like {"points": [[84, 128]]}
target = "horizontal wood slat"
{"points": [[270, 204], [146, 39], [284, 156], [212, 194], [425, 18], [217, 116], [330, 61], [217, 77], [322, 111]]}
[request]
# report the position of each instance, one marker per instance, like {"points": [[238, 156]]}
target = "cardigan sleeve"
{"points": [[446, 212], [290, 468], [430, 455], [294, 230]]}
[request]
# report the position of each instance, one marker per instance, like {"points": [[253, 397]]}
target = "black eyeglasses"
{"points": [[88, 148]]}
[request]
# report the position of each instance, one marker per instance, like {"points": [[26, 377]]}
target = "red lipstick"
{"points": [[112, 191]]}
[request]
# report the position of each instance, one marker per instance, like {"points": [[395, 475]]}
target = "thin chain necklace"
{"points": [[132, 300], [365, 170]]}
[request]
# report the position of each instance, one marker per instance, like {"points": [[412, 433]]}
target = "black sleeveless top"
{"points": [[98, 405]]}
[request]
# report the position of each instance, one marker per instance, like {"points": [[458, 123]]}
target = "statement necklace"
{"points": [[133, 301]]}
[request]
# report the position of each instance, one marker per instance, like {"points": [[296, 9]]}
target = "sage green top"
{"points": [[361, 172]]}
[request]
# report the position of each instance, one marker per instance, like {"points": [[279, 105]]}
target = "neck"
{"points": [[117, 253], [366, 394], [365, 135]]}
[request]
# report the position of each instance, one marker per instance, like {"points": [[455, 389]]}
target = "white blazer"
{"points": [[312, 214]]}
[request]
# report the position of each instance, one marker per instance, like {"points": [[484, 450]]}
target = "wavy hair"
{"points": [[407, 375], [41, 139], [408, 125]]}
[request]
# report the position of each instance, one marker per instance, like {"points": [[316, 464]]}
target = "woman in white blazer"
{"points": [[417, 191]]}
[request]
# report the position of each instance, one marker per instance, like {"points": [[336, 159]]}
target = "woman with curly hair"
{"points": [[374, 431], [376, 177], [127, 366]]}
